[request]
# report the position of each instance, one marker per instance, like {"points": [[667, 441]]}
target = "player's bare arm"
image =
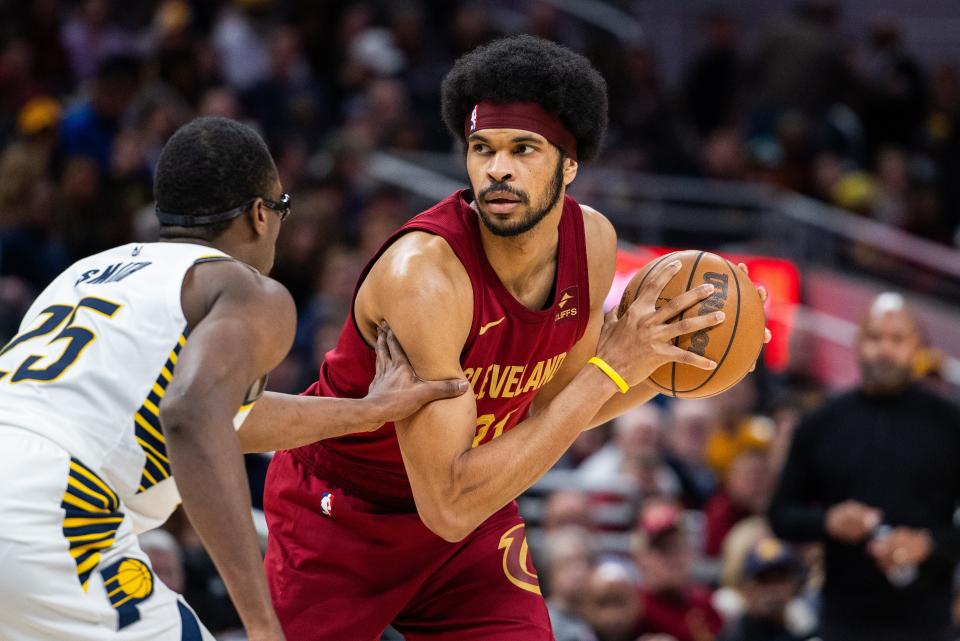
{"points": [[418, 286], [285, 421], [232, 343]]}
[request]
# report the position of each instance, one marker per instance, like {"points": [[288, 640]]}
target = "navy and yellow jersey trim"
{"points": [[146, 423], [92, 518]]}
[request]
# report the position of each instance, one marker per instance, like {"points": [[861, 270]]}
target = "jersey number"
{"points": [[77, 337]]}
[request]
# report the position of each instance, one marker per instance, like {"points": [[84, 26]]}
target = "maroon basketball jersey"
{"points": [[510, 353]]}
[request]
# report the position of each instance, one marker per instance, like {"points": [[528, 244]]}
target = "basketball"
{"points": [[734, 344]]}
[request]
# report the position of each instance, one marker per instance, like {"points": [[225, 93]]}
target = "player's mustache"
{"points": [[507, 189]]}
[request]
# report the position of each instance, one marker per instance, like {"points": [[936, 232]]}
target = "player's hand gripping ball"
{"points": [[734, 345]]}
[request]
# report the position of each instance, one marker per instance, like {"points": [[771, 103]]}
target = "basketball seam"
{"points": [[676, 339], [733, 335], [650, 271]]}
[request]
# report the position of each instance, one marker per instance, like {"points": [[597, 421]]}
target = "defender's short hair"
{"points": [[211, 165]]}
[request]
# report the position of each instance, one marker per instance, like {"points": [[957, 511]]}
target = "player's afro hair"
{"points": [[211, 165], [526, 68]]}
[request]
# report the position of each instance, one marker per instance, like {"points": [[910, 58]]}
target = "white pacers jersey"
{"points": [[93, 358]]}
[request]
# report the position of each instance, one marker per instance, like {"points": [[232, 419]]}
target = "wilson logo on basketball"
{"points": [[699, 340], [516, 560]]}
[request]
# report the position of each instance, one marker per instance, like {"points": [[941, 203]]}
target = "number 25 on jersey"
{"points": [[66, 347]]}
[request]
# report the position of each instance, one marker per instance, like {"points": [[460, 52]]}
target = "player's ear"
{"points": [[258, 216], [570, 167]]}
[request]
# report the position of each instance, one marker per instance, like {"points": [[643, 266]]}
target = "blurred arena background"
{"points": [[818, 141]]}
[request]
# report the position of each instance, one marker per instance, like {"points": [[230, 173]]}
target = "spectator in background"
{"points": [[670, 600], [885, 453], [240, 38], [89, 128], [31, 247], [166, 558], [736, 428], [745, 492], [90, 38], [895, 92], [613, 607], [772, 577], [288, 103], [789, 53], [566, 508], [632, 460], [713, 82], [685, 450], [567, 567]]}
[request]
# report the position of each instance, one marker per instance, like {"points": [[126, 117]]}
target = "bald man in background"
{"points": [[875, 475]]}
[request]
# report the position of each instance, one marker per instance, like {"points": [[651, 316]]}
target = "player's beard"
{"points": [[534, 214]]}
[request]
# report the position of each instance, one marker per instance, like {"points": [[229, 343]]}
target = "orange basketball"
{"points": [[734, 344]]}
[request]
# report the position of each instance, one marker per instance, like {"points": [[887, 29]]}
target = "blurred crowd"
{"points": [[659, 530]]}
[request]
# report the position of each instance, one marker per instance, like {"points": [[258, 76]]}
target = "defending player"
{"points": [[131, 366], [415, 524]]}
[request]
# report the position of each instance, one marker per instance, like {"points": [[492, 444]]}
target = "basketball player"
{"points": [[131, 366], [415, 524]]}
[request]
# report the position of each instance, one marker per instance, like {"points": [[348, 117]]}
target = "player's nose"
{"points": [[500, 167]]}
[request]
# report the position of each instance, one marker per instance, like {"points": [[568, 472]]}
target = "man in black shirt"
{"points": [[875, 475]]}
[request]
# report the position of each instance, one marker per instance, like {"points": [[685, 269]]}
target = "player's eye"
{"points": [[481, 148], [523, 150]]}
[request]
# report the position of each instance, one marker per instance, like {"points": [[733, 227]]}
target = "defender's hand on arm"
{"points": [[396, 391]]}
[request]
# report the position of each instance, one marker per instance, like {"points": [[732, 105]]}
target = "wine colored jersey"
{"points": [[510, 353]]}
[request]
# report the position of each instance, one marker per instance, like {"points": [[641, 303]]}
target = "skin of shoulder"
{"points": [[231, 289], [601, 240], [422, 289]]}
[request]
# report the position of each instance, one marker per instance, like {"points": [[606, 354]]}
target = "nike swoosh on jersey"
{"points": [[484, 328]]}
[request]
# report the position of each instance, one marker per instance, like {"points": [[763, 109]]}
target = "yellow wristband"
{"points": [[612, 373]]}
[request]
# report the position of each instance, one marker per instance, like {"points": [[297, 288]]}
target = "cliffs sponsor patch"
{"points": [[567, 304]]}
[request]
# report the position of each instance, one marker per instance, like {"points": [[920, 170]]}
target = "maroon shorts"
{"points": [[342, 568]]}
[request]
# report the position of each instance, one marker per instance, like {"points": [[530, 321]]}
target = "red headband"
{"points": [[529, 116]]}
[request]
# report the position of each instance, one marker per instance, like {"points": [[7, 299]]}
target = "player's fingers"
{"points": [[743, 267], [763, 293], [692, 324], [767, 336], [396, 351], [651, 290], [383, 356], [686, 357], [450, 388], [685, 300]]}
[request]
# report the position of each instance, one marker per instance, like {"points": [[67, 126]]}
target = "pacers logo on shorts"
{"points": [[128, 582], [516, 559]]}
